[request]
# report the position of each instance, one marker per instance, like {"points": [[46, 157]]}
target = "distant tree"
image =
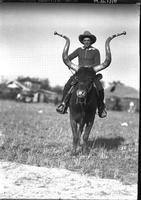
{"points": [[3, 86], [5, 92], [3, 83], [3, 80], [114, 84], [58, 89], [20, 78], [27, 78], [45, 84]]}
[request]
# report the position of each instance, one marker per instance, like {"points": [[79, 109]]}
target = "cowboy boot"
{"points": [[101, 106], [62, 108]]}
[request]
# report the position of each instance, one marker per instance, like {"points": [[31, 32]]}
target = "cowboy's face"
{"points": [[87, 42]]}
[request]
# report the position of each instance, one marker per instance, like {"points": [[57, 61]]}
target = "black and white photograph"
{"points": [[69, 100]]}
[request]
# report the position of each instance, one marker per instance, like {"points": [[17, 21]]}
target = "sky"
{"points": [[28, 46]]}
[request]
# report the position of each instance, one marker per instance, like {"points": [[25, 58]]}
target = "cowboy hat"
{"points": [[87, 34]]}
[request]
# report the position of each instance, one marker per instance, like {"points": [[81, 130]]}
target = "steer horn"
{"points": [[97, 68], [65, 53], [108, 58]]}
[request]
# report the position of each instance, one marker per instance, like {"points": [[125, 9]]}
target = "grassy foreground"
{"points": [[35, 134]]}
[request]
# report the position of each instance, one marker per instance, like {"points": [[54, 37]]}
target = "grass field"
{"points": [[35, 134]]}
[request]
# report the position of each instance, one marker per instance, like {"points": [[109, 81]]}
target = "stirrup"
{"points": [[61, 109]]}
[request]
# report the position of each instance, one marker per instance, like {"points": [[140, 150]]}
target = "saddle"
{"points": [[97, 77]]}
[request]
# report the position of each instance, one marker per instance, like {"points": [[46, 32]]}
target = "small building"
{"points": [[31, 84], [29, 90], [122, 98]]}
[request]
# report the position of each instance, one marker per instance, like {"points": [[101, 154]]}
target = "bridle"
{"points": [[81, 95]]}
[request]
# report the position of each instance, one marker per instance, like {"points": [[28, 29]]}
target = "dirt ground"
{"points": [[24, 181]]}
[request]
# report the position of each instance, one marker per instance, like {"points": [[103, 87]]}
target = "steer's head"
{"points": [[85, 78]]}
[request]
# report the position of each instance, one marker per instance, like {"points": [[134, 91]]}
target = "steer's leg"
{"points": [[75, 135], [86, 136], [79, 131]]}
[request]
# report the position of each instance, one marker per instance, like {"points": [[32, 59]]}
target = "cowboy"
{"points": [[87, 56]]}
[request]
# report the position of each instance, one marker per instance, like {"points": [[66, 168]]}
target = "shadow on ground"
{"points": [[107, 143]]}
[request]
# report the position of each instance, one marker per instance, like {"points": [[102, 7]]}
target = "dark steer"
{"points": [[83, 105], [83, 102]]}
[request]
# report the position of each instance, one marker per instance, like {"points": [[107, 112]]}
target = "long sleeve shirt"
{"points": [[86, 56]]}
